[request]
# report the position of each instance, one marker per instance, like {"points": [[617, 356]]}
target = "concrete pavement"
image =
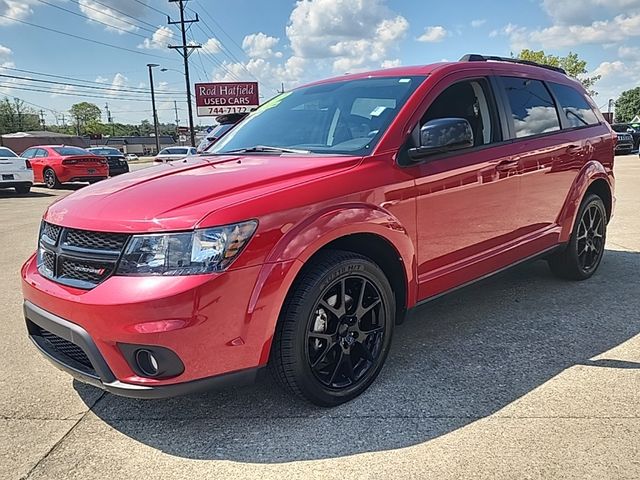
{"points": [[520, 376]]}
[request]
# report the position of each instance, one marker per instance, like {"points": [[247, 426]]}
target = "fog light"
{"points": [[147, 363]]}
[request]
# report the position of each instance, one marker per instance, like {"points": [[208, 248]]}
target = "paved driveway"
{"points": [[521, 376]]}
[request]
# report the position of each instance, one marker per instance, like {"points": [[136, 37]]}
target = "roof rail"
{"points": [[473, 57]]}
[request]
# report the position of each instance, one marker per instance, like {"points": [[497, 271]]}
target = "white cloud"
{"points": [[350, 34], [433, 34], [629, 53], [18, 9], [5, 57], [212, 46], [99, 12], [478, 23], [396, 62], [160, 39], [585, 12], [260, 45]]}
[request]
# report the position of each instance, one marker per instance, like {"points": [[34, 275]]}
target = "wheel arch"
{"points": [[359, 228], [593, 177]]}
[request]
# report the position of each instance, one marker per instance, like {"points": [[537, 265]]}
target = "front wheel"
{"points": [[335, 329], [582, 256]]}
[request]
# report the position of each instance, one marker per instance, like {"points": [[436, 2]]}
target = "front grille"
{"points": [[52, 232], [63, 350], [78, 258], [91, 272], [95, 240]]}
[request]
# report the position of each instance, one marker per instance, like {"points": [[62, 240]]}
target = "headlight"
{"points": [[192, 253]]}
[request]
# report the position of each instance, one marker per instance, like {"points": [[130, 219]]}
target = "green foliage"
{"points": [[573, 65], [85, 114], [628, 105], [15, 116]]}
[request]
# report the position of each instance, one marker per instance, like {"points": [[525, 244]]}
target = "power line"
{"points": [[120, 19], [85, 39], [28, 88], [92, 19], [222, 30], [152, 8], [133, 89], [104, 88]]}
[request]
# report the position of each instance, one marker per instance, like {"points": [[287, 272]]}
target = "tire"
{"points": [[22, 189], [582, 256], [50, 178], [323, 323]]}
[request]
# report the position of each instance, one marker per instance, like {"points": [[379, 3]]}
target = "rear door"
{"points": [[550, 145]]}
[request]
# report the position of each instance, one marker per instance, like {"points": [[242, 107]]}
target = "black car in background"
{"points": [[115, 158], [626, 128]]}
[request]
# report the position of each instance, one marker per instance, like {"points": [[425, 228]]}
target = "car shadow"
{"points": [[11, 193], [457, 359]]}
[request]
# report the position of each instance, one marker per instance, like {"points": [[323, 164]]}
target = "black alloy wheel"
{"points": [[583, 254], [346, 332], [335, 329], [590, 237]]}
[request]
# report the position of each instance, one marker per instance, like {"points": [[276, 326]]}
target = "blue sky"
{"points": [[290, 42]]}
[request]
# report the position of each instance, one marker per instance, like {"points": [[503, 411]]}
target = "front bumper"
{"points": [[118, 170], [98, 373]]}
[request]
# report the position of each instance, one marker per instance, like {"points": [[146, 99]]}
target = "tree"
{"points": [[628, 105], [15, 116], [84, 113], [572, 64]]}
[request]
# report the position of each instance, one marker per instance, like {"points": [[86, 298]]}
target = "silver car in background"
{"points": [[171, 154]]}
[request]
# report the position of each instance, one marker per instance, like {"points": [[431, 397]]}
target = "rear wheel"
{"points": [[335, 329], [582, 256], [23, 189], [50, 178]]}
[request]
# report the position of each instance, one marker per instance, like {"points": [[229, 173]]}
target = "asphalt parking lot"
{"points": [[520, 376]]}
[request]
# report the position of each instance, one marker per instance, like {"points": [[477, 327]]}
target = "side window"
{"points": [[574, 107], [471, 100], [532, 108], [41, 153], [28, 153]]}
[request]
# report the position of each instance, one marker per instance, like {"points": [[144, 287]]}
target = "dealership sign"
{"points": [[214, 99]]}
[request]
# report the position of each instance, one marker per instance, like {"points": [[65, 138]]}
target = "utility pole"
{"points": [[185, 50], [44, 126], [150, 66], [110, 120], [175, 106]]}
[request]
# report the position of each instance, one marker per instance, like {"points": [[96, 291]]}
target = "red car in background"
{"points": [[57, 164]]}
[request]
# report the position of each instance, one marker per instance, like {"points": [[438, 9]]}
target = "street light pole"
{"points": [[153, 104]]}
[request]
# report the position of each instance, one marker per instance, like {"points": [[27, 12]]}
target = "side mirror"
{"points": [[443, 135]]}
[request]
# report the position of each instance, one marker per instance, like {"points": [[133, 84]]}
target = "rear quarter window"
{"points": [[574, 106], [532, 107]]}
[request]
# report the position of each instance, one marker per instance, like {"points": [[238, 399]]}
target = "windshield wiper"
{"points": [[266, 149]]}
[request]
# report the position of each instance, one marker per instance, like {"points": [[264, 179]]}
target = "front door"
{"points": [[467, 200]]}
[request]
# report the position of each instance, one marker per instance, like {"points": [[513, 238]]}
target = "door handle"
{"points": [[574, 149], [507, 165]]}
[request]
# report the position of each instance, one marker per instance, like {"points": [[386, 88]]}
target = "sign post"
{"points": [[214, 99]]}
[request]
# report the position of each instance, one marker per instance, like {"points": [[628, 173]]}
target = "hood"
{"points": [[176, 196]]}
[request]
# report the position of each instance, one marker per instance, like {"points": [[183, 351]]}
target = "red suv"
{"points": [[308, 231], [57, 164]]}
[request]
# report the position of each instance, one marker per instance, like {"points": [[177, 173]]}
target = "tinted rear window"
{"points": [[70, 151], [5, 152], [105, 151], [532, 107], [574, 106]]}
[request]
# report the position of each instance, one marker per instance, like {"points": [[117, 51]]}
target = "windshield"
{"points": [[105, 151], [69, 151], [343, 117], [174, 151], [5, 152]]}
